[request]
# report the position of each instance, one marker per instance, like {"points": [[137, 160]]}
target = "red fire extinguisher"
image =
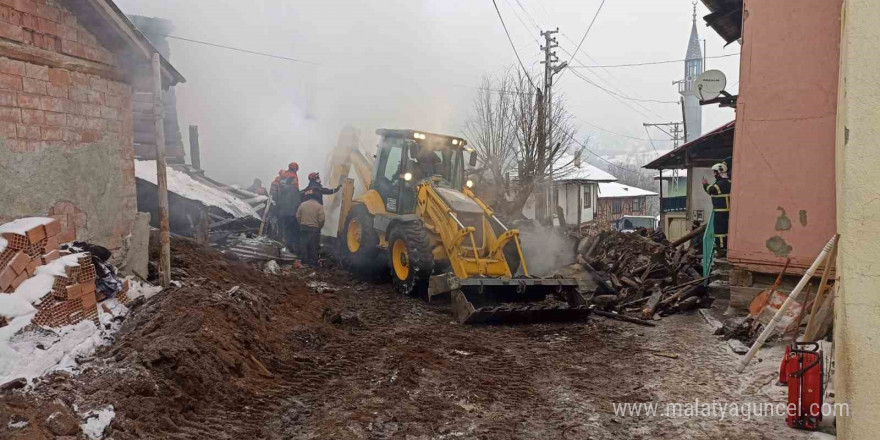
{"points": [[803, 371]]}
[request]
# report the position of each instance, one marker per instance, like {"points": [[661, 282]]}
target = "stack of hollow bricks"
{"points": [[73, 296]]}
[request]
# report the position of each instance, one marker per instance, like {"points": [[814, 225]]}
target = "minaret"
{"points": [[693, 67]]}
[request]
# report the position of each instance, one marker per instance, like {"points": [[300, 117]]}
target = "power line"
{"points": [[618, 134], [528, 77], [624, 96], [595, 16], [652, 141], [262, 54], [650, 63]]}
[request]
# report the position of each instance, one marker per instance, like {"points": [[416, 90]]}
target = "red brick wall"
{"points": [[64, 114], [47, 25]]}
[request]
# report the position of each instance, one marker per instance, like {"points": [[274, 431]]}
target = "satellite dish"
{"points": [[710, 84]]}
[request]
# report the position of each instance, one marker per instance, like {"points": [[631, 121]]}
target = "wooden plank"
{"points": [[161, 178], [812, 323], [654, 301]]}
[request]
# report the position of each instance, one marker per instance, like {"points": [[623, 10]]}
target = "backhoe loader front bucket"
{"points": [[517, 300]]}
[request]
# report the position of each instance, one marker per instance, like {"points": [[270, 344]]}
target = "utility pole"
{"points": [[550, 69], [675, 131]]}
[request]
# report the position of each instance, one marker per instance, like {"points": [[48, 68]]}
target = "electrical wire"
{"points": [[651, 63], [262, 54], [525, 72], [652, 141], [595, 16], [619, 134]]}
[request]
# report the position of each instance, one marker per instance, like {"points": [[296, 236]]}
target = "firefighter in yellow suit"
{"points": [[720, 193]]}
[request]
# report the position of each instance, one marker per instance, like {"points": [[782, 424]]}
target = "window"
{"points": [[616, 206], [637, 205], [588, 195], [392, 164]]}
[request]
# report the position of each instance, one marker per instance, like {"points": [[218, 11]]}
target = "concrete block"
{"points": [[741, 297], [137, 253]]}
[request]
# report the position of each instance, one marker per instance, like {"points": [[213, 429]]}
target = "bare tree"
{"points": [[506, 130], [537, 162], [489, 129]]}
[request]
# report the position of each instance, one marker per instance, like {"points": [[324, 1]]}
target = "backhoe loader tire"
{"points": [[360, 242], [410, 258]]}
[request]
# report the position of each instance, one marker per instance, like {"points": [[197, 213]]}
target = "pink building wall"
{"points": [[783, 191]]}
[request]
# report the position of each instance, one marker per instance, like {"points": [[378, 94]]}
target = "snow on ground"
{"points": [[184, 185], [138, 288], [97, 421], [22, 225], [3, 244], [31, 352]]}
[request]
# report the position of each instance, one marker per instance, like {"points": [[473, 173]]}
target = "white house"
{"points": [[576, 193]]}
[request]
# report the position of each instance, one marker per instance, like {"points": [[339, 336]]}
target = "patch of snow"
{"points": [[34, 352], [97, 421], [17, 425], [184, 185], [587, 172], [3, 244], [22, 225], [138, 288], [822, 436], [272, 267], [614, 189], [31, 354]]}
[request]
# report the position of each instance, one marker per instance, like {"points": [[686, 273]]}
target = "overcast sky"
{"points": [[412, 64]]}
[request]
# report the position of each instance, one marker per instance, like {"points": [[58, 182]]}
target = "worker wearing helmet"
{"points": [[316, 190], [286, 192], [720, 194]]}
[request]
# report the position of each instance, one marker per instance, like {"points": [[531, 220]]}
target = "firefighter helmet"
{"points": [[293, 166], [721, 167], [313, 177]]}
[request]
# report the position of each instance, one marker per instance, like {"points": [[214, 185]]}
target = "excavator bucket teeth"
{"points": [[523, 309]]}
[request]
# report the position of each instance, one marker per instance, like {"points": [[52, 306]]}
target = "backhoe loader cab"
{"points": [[420, 220], [406, 157]]}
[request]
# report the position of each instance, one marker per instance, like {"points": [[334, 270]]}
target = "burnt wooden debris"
{"points": [[643, 274]]}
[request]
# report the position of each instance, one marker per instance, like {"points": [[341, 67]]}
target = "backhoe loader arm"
{"points": [[507, 236]]}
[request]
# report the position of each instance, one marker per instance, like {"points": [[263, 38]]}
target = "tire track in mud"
{"points": [[395, 367]]}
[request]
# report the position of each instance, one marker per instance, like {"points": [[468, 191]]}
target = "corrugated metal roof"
{"points": [[677, 157]]}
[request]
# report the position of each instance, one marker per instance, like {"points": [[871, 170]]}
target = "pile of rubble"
{"points": [[36, 271], [643, 272]]}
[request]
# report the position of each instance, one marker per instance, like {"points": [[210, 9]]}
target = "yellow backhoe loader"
{"points": [[419, 216]]}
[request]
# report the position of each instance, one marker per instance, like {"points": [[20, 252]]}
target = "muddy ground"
{"points": [[237, 354]]}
